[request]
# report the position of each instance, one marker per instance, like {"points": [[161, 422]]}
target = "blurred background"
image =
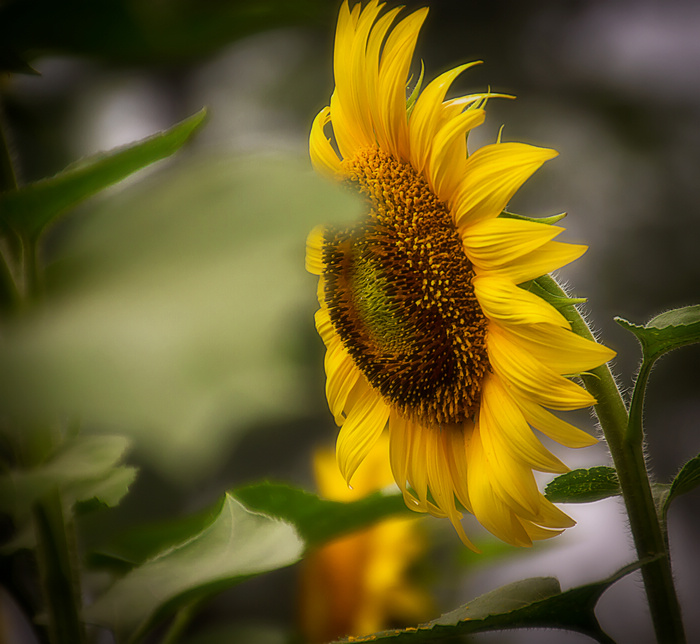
{"points": [[180, 294]]}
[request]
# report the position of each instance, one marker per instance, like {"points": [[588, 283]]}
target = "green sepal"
{"points": [[537, 220], [667, 331], [540, 288], [583, 485], [411, 100], [29, 209], [530, 603]]}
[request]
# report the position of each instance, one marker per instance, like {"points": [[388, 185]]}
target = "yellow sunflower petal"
{"points": [[489, 509], [456, 453], [504, 430], [341, 378], [352, 125], [538, 533], [323, 156], [314, 251], [530, 378], [545, 259], [560, 349], [400, 453], [446, 160], [374, 87], [556, 428], [439, 476], [393, 75], [324, 326], [493, 175], [502, 300], [362, 428], [494, 243], [550, 516], [425, 118]]}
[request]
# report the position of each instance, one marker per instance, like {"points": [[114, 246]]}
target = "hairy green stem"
{"points": [[626, 449]]}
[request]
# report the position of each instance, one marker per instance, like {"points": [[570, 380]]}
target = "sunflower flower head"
{"points": [[428, 332], [360, 583]]}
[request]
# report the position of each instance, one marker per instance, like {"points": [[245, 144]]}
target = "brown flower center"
{"points": [[398, 287]]}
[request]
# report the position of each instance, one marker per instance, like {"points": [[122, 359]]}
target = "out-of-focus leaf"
{"points": [[584, 485], [255, 633], [85, 468], [667, 331], [107, 491], [174, 311], [30, 208], [237, 545], [531, 603], [316, 519], [136, 545], [133, 31], [686, 480]]}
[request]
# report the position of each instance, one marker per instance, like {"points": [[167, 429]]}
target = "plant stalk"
{"points": [[626, 449], [53, 525]]}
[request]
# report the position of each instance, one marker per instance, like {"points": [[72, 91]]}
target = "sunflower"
{"points": [[429, 334], [360, 583]]}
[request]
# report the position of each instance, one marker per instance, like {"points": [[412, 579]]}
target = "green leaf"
{"points": [[667, 331], [237, 545], [686, 480], [316, 519], [30, 208], [583, 485], [538, 220], [530, 603], [86, 467]]}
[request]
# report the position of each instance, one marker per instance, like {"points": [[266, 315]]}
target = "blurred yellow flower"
{"points": [[426, 328], [359, 584]]}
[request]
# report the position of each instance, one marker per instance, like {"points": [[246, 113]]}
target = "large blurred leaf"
{"points": [[139, 32], [316, 520], [29, 208], [238, 544], [85, 468], [530, 603], [174, 311]]}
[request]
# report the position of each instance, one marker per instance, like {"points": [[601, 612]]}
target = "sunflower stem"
{"points": [[626, 449]]}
